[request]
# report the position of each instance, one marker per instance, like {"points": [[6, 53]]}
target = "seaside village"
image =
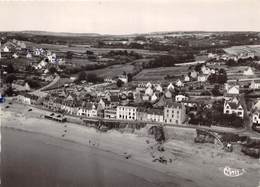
{"points": [[203, 93]]}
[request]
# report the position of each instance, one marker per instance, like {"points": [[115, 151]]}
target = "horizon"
{"points": [[127, 34], [114, 17]]}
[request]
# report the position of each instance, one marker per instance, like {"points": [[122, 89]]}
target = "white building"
{"points": [[232, 90], [205, 70], [179, 83], [149, 91], [154, 97], [255, 85], [123, 78], [126, 113], [202, 78], [155, 115], [148, 85], [179, 98], [186, 78], [6, 49], [87, 110], [174, 113], [248, 72], [233, 106], [256, 117], [170, 87], [158, 88], [28, 55]]}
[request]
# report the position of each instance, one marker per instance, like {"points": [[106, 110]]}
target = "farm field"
{"points": [[244, 48], [237, 72], [113, 71], [160, 73], [84, 48]]}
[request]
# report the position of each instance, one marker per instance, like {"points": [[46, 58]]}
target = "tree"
{"points": [[92, 77], [69, 54], [10, 68], [33, 83], [52, 70], [10, 78], [89, 52], [119, 83], [129, 77], [9, 91], [82, 76], [215, 91]]}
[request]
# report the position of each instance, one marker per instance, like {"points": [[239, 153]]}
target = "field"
{"points": [[237, 72], [244, 48], [113, 71], [84, 48], [160, 73]]}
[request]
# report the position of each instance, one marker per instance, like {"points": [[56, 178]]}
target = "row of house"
{"points": [[171, 113]]}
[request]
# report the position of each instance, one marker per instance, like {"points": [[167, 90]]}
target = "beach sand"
{"points": [[196, 164]]}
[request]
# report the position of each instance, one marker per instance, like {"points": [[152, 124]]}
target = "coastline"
{"points": [[191, 161]]}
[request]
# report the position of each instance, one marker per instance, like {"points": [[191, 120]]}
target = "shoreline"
{"points": [[190, 161]]}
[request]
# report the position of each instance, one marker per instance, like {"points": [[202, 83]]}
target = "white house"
{"points": [[88, 110], [179, 98], [233, 107], [6, 49], [126, 113], [232, 90], [28, 55], [255, 85], [158, 88], [194, 74], [123, 78], [168, 94], [15, 55], [154, 97], [248, 72], [149, 91], [202, 78], [186, 78], [148, 85], [205, 70], [170, 87], [155, 115], [256, 117], [179, 83]]}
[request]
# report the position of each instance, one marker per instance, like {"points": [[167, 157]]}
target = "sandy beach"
{"points": [[191, 164]]}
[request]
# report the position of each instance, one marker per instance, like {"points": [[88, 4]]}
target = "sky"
{"points": [[130, 16]]}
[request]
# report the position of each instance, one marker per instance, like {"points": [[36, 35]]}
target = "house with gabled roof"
{"points": [[234, 106], [256, 117], [179, 83], [170, 87], [155, 115]]}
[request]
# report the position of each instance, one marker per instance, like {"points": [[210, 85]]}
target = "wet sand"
{"points": [[31, 160]]}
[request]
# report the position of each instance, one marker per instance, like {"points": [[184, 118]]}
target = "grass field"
{"points": [[244, 48], [160, 73], [84, 48], [113, 70], [237, 72]]}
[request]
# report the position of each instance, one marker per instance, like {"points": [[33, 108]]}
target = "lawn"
{"points": [[160, 73]]}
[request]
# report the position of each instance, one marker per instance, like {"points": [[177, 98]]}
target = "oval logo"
{"points": [[233, 172]]}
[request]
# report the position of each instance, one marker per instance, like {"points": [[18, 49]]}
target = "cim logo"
{"points": [[233, 172]]}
